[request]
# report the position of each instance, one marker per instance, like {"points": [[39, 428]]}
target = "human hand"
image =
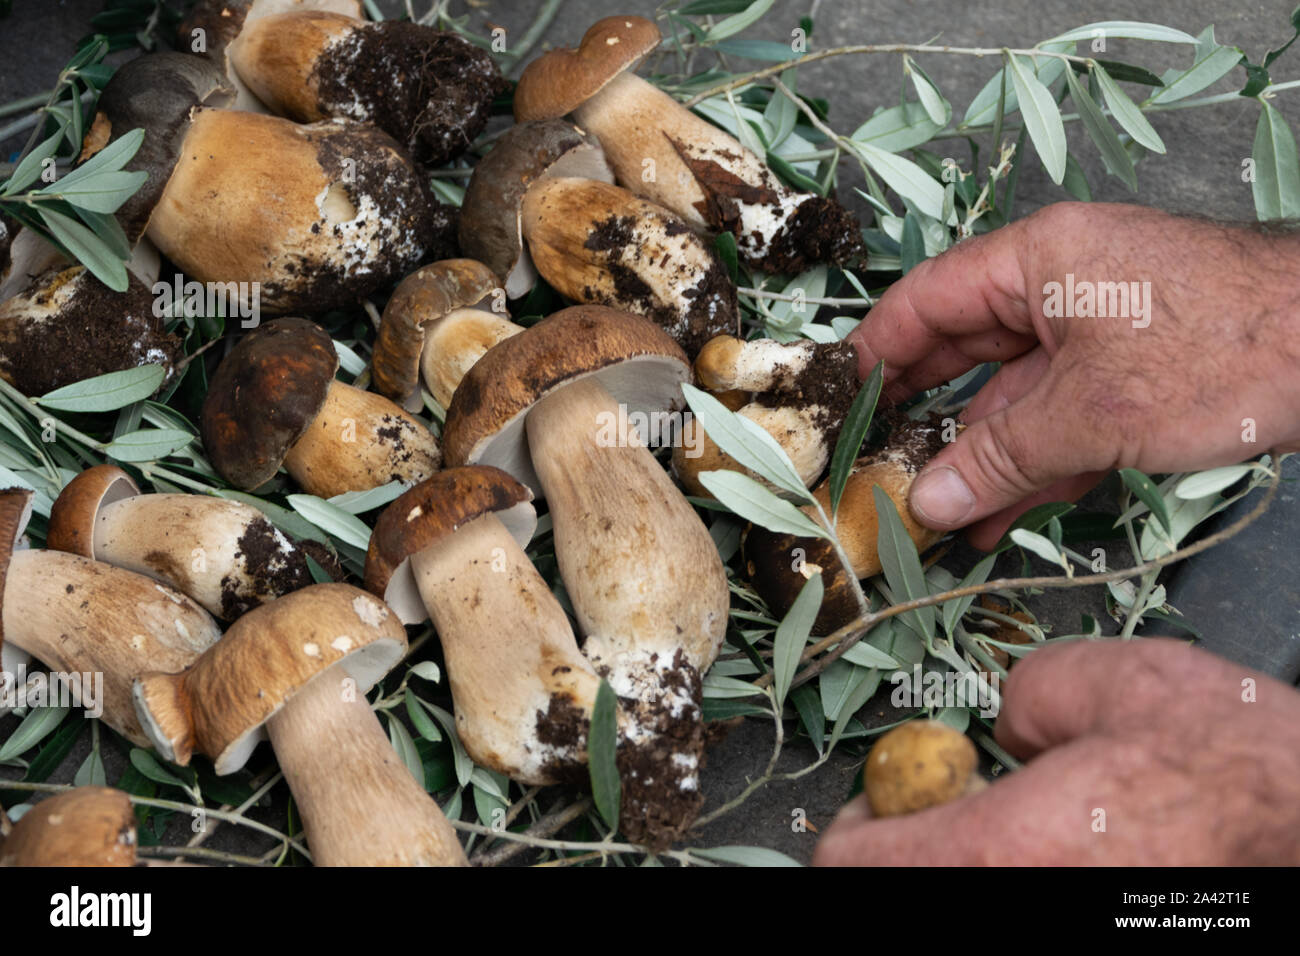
{"points": [[1156, 741], [1210, 346]]}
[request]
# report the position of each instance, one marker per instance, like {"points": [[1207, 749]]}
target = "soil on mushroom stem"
{"points": [[914, 442], [271, 571], [829, 382]]}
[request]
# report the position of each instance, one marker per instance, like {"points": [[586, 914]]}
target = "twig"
{"points": [[782, 297], [201, 853], [533, 836]]}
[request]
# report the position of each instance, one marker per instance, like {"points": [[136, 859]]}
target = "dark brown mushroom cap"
{"points": [[432, 510], [72, 519], [263, 396], [634, 359], [88, 826], [67, 326], [157, 93], [560, 81], [772, 563], [489, 215], [424, 296], [220, 21]]}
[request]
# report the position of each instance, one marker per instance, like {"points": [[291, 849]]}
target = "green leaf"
{"points": [[464, 765], [1034, 519], [151, 767], [1146, 491], [746, 856], [91, 772], [901, 563], [912, 247], [401, 740], [725, 246], [704, 7], [291, 524], [1042, 118], [792, 176], [109, 159], [1209, 68], [753, 502], [107, 392], [148, 444], [718, 685], [1113, 154], [936, 107], [954, 609], [1277, 170], [904, 177], [423, 723], [739, 21], [602, 756], [1124, 72], [359, 502], [29, 170], [745, 441], [86, 247], [1128, 29], [757, 50], [809, 707], [331, 519], [318, 574], [108, 230], [853, 432], [861, 688], [427, 670], [1075, 182], [1039, 545], [868, 655], [1211, 482], [103, 193], [898, 128], [1127, 113], [792, 635]]}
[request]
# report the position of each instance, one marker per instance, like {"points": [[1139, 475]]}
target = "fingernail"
{"points": [[942, 497]]}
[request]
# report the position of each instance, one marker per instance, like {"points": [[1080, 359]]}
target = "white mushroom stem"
{"points": [[455, 342], [360, 805], [517, 676], [641, 570], [360, 440], [726, 363]]}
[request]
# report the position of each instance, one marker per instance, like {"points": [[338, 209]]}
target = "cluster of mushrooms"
{"points": [[290, 154]]}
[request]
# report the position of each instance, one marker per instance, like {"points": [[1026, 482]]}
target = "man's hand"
{"points": [[1146, 752], [1079, 396]]}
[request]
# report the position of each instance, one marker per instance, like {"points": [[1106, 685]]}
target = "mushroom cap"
{"points": [[157, 92], [222, 702], [15, 512], [263, 396], [635, 360], [425, 296], [489, 215], [428, 512], [559, 81], [67, 326], [921, 764], [87, 826], [72, 519]]}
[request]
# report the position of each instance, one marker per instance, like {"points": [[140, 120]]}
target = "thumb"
{"points": [[1003, 458]]}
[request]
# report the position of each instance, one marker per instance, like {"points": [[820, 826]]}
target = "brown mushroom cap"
{"points": [[635, 360], [15, 512], [559, 81], [87, 826], [263, 396], [489, 215], [430, 511], [72, 519], [424, 296]]}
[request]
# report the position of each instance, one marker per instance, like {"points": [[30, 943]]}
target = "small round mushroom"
{"points": [[601, 245], [921, 764], [66, 326], [82, 616], [490, 230], [439, 320], [779, 564], [297, 670], [274, 400], [86, 826], [698, 171], [351, 211], [431, 90], [222, 553]]}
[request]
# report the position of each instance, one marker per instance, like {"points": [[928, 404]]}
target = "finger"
{"points": [[1009, 384], [987, 532]]}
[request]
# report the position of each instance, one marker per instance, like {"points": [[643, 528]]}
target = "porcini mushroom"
{"points": [[222, 553], [695, 169], [779, 564], [296, 670], [351, 209], [601, 245], [274, 400], [439, 320], [555, 406], [921, 764], [86, 826], [489, 227], [431, 90], [79, 616]]}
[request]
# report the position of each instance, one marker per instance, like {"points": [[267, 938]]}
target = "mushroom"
{"points": [[918, 765], [85, 826], [556, 407], [222, 553], [431, 90], [601, 245], [804, 391], [663, 151], [439, 320], [274, 400], [297, 670], [490, 230], [66, 326], [779, 564], [351, 211], [80, 616]]}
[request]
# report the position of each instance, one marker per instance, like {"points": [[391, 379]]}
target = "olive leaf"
{"points": [[747, 856], [107, 392], [792, 635], [853, 432], [745, 441], [39, 723], [1145, 490], [1276, 188], [1034, 519], [331, 519], [1127, 29], [1042, 118], [1127, 113], [901, 564], [1116, 159], [862, 686], [602, 756], [753, 502], [148, 444]]}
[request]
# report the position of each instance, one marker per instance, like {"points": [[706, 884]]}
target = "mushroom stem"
{"points": [[360, 440], [640, 567], [360, 805], [455, 342], [530, 648]]}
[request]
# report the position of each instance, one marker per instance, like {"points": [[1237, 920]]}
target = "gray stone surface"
{"points": [[1200, 175]]}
